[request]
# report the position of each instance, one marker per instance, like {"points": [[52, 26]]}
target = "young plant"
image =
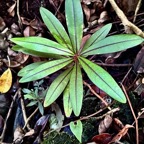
{"points": [[72, 57], [36, 96]]}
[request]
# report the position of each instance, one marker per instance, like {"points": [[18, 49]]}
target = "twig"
{"points": [[139, 115], [24, 111], [127, 24], [8, 115], [126, 75], [18, 15], [87, 117], [137, 9], [29, 118], [114, 65], [100, 117], [136, 121], [85, 83]]}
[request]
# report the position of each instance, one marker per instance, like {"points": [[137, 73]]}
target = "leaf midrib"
{"points": [[58, 32], [45, 45], [48, 68], [87, 51], [97, 38], [76, 86], [102, 79], [73, 7], [59, 83]]}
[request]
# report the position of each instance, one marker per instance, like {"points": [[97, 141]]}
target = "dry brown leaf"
{"points": [[127, 5], [30, 133], [87, 12], [15, 29], [35, 24], [87, 2], [11, 10], [29, 31], [11, 52], [2, 24], [118, 123], [3, 44], [25, 21], [103, 138], [139, 62], [121, 133], [103, 17], [18, 135], [5, 81], [17, 60], [105, 124]]}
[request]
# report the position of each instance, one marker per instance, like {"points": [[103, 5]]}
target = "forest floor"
{"points": [[119, 123]]}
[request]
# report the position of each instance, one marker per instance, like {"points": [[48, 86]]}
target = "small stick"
{"points": [[24, 111], [89, 116], [136, 121], [8, 115], [127, 24], [114, 65], [85, 83], [137, 9], [29, 118], [139, 115], [19, 18], [126, 75], [100, 117]]}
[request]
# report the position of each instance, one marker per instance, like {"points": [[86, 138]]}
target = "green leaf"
{"points": [[67, 102], [57, 87], [76, 89], [45, 69], [35, 52], [97, 36], [55, 27], [42, 45], [29, 96], [77, 129], [26, 91], [114, 43], [41, 108], [32, 103], [29, 68], [102, 79], [74, 19]]}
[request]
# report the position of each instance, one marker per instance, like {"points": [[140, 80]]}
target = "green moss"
{"points": [[60, 138]]}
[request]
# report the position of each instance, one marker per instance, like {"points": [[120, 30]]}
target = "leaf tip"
{"points": [[41, 9], [45, 103], [123, 100], [22, 80]]}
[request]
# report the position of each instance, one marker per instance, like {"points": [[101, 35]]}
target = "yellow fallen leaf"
{"points": [[5, 81]]}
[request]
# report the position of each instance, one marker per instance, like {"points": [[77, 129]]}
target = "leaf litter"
{"points": [[96, 15]]}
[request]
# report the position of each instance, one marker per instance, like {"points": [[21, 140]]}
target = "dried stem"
{"points": [[87, 117], [24, 111], [85, 83], [8, 115], [18, 15], [136, 121], [127, 24], [29, 118], [137, 9]]}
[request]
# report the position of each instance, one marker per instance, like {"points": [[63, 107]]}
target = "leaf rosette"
{"points": [[67, 53]]}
